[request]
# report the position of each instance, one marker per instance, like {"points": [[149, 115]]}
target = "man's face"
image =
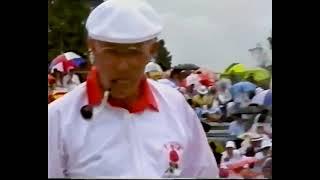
{"points": [[256, 143], [229, 151], [155, 75], [121, 66]]}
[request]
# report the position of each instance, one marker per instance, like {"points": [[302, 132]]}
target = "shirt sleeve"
{"points": [[76, 79], [65, 80], [199, 160], [55, 160]]}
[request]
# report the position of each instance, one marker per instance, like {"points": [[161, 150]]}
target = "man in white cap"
{"points": [[118, 123], [153, 71], [202, 99], [231, 154], [261, 156], [71, 80]]}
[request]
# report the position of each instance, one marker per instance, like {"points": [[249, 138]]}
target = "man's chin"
{"points": [[120, 94]]}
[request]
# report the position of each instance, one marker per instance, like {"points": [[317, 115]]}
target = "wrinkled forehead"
{"points": [[140, 45]]}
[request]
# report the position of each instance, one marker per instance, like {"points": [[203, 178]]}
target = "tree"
{"points": [[163, 58], [66, 28]]}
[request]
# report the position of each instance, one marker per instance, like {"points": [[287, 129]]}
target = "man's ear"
{"points": [[90, 44], [91, 49]]}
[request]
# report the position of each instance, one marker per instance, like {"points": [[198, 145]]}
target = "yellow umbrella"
{"points": [[235, 71], [258, 74], [235, 68]]}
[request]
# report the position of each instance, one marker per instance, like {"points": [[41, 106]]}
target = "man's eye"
{"points": [[109, 51], [135, 52], [122, 52]]}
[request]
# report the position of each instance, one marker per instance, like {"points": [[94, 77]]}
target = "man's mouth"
{"points": [[121, 81]]}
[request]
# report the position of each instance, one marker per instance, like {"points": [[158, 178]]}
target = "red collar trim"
{"points": [[95, 95]]}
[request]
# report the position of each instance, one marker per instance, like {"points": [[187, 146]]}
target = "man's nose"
{"points": [[123, 64]]}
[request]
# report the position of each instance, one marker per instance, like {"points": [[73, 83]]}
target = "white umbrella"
{"points": [[263, 98]]}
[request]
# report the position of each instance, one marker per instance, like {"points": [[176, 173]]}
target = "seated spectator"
{"points": [[264, 151], [231, 154], [238, 126], [261, 156], [224, 95], [153, 71], [71, 80], [255, 145], [202, 99], [213, 114], [262, 126], [213, 94]]}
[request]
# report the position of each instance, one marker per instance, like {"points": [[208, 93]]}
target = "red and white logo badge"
{"points": [[174, 152]]}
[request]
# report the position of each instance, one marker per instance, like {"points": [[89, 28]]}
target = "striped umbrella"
{"points": [[66, 61]]}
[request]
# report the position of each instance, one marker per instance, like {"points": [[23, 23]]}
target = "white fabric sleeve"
{"points": [[76, 79], [199, 160], [65, 80], [55, 163]]}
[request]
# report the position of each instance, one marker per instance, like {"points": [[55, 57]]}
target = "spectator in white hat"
{"points": [[238, 126], [71, 80], [112, 125], [262, 126], [262, 155], [223, 87], [264, 150], [255, 145], [231, 154], [153, 71], [202, 99]]}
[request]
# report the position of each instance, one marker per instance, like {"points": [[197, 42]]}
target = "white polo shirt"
{"points": [[115, 143]]}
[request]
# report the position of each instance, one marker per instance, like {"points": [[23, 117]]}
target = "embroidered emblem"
{"points": [[174, 152]]}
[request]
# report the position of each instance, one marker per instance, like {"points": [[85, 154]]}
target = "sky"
{"points": [[214, 33]]}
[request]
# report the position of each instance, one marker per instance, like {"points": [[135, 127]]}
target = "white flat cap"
{"points": [[152, 67], [124, 22], [202, 90], [266, 143], [230, 144]]}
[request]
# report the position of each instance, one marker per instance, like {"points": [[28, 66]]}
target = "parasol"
{"points": [[242, 87], [263, 98], [258, 74], [66, 61]]}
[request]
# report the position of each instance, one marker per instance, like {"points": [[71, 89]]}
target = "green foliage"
{"points": [[163, 57], [66, 28]]}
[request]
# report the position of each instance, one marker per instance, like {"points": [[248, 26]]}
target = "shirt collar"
{"points": [[95, 95]]}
